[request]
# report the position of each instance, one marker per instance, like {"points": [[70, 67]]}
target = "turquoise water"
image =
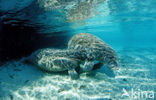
{"points": [[128, 26]]}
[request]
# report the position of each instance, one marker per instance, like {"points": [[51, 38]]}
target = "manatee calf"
{"points": [[96, 50], [56, 60]]}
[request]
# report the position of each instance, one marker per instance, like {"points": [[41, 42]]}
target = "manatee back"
{"points": [[54, 60], [84, 40]]}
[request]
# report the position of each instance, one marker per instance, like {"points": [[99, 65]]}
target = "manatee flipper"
{"points": [[88, 66], [73, 74]]}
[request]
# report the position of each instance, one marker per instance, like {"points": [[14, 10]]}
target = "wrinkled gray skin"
{"points": [[96, 50], [55, 60]]}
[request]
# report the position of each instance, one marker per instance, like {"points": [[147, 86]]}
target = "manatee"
{"points": [[57, 60], [97, 51]]}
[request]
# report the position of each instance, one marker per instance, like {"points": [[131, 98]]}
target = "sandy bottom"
{"points": [[137, 74]]}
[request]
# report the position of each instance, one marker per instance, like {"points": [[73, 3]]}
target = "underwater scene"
{"points": [[77, 49]]}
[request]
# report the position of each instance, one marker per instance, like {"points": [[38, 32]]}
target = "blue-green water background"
{"points": [[120, 23], [129, 26]]}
